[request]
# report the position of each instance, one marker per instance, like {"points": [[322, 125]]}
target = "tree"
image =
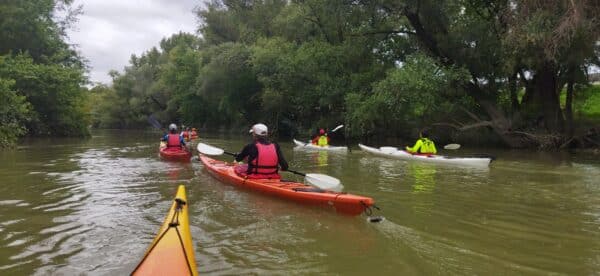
{"points": [[54, 92], [42, 75], [494, 41], [15, 112], [393, 65]]}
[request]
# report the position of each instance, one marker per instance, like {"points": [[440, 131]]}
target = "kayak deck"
{"points": [[392, 152], [343, 203], [171, 252]]}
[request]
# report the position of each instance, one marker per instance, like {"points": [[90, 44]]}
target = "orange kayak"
{"points": [[174, 154], [171, 252], [342, 202]]}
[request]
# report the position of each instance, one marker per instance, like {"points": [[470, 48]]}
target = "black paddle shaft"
{"points": [[295, 172]]}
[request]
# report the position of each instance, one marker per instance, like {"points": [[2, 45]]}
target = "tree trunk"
{"points": [[501, 125], [546, 98], [512, 86], [569, 107]]}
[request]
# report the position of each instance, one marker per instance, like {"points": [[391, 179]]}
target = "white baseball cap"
{"points": [[259, 129]]}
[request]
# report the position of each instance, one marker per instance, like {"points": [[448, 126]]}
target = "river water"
{"points": [[71, 206]]}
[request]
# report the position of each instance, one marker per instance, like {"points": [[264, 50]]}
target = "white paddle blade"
{"points": [[209, 150], [452, 146], [324, 182], [337, 127]]}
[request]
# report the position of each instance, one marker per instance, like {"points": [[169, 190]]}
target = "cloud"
{"points": [[110, 31]]}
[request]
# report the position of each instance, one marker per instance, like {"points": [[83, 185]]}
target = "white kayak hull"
{"points": [[309, 146], [391, 152]]}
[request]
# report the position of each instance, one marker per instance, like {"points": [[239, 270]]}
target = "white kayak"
{"points": [[309, 146], [393, 152]]}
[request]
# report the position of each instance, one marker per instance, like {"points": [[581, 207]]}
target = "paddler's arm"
{"points": [[416, 147], [242, 155], [282, 163]]}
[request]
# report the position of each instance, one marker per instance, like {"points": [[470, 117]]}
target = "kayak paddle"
{"points": [[152, 120], [452, 146], [321, 181], [337, 128], [210, 150], [457, 146]]}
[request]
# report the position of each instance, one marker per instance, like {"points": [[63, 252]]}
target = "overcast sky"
{"points": [[109, 31]]}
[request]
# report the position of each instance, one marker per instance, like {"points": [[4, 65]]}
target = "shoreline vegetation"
{"points": [[42, 77], [514, 74]]}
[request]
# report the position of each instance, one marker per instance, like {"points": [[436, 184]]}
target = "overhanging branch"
{"points": [[465, 127]]}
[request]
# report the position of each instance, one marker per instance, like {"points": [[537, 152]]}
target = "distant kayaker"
{"points": [[423, 145], [264, 158], [193, 134], [322, 139], [172, 138], [186, 134]]}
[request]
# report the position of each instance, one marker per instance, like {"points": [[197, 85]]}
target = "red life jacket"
{"points": [[173, 141], [265, 165], [186, 135]]}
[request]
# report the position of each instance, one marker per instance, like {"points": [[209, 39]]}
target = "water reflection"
{"points": [[321, 158], [177, 171], [424, 177]]}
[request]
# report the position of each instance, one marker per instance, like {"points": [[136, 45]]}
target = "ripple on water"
{"points": [[74, 223], [14, 202], [95, 212]]}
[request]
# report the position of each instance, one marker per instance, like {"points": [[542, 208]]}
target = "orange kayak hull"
{"points": [[343, 203]]}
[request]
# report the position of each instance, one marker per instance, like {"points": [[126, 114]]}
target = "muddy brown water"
{"points": [[92, 206]]}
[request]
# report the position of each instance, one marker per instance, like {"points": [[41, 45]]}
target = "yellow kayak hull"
{"points": [[172, 251]]}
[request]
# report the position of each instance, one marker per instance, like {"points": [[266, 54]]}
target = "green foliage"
{"points": [[102, 102], [383, 67], [41, 77], [54, 92], [589, 105], [31, 26], [15, 111], [409, 97], [239, 20], [586, 101], [227, 83]]}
